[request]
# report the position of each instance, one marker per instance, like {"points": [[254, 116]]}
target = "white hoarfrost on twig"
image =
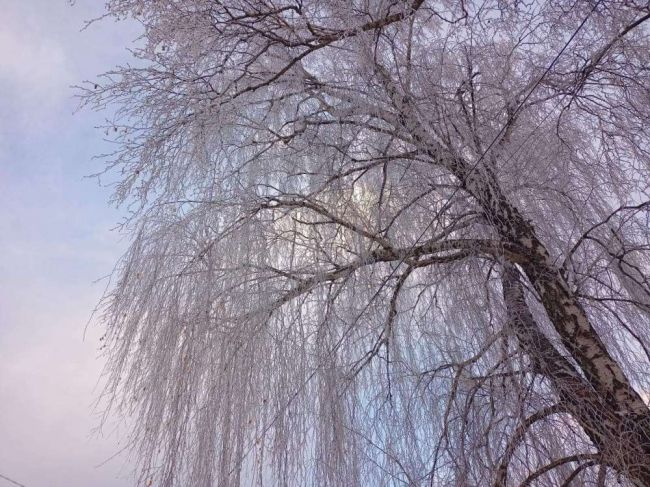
{"points": [[382, 242]]}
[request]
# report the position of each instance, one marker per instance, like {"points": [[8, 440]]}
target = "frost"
{"points": [[364, 234]]}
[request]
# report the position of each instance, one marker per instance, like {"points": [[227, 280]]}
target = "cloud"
{"points": [[47, 382], [33, 69], [54, 242], [44, 50]]}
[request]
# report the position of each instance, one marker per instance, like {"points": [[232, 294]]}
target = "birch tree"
{"points": [[381, 242]]}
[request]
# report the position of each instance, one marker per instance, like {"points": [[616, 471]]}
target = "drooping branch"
{"points": [[293, 163], [517, 437], [556, 463]]}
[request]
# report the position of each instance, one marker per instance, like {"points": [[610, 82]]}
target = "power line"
{"points": [[12, 481], [475, 165], [417, 241]]}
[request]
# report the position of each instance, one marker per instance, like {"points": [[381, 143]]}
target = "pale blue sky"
{"points": [[55, 240]]}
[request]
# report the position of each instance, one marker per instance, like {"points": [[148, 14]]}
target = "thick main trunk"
{"points": [[622, 442], [613, 415], [563, 308]]}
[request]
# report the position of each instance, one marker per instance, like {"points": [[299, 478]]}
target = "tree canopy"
{"points": [[382, 242]]}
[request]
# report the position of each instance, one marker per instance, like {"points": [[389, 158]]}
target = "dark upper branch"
{"points": [[323, 40], [429, 253], [327, 37], [555, 464], [592, 64], [586, 234]]}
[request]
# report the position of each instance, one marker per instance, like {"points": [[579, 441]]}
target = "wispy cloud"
{"points": [[54, 242], [32, 68]]}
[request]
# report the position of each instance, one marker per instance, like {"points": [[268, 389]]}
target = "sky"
{"points": [[55, 243]]}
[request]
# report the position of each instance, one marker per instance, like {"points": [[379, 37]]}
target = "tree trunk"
{"points": [[621, 439], [604, 403], [563, 308]]}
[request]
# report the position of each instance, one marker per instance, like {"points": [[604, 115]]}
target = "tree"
{"points": [[382, 242]]}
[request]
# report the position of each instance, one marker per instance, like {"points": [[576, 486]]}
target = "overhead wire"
{"points": [[427, 228]]}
